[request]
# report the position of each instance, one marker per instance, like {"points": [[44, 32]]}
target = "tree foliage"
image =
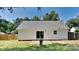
{"points": [[11, 9], [36, 18], [73, 22], [7, 8], [5, 26], [77, 30], [52, 16]]}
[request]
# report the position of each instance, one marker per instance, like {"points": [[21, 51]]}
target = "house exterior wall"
{"points": [[26, 35], [61, 34], [48, 34]]}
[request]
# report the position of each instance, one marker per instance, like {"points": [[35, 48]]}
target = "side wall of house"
{"points": [[26, 35], [48, 34], [61, 34]]}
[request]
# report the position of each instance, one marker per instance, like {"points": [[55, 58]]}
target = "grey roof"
{"points": [[42, 25]]}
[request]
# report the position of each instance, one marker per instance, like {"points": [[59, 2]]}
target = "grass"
{"points": [[14, 45]]}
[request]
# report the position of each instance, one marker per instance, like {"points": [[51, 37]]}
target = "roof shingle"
{"points": [[42, 25]]}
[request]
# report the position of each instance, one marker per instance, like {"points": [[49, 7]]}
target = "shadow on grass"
{"points": [[49, 47]]}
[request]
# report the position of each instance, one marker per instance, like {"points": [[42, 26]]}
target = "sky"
{"points": [[65, 13]]}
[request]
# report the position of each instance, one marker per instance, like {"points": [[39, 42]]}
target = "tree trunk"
{"points": [[41, 42]]}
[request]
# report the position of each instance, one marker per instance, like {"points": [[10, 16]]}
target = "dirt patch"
{"points": [[50, 42]]}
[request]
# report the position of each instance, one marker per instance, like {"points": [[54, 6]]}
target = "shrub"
{"points": [[77, 30]]}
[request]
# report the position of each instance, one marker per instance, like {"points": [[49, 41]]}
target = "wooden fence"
{"points": [[8, 37], [73, 35], [77, 35]]}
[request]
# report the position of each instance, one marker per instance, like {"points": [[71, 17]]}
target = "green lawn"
{"points": [[14, 45]]}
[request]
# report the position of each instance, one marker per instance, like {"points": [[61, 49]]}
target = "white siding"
{"points": [[26, 35], [27, 30], [48, 34], [61, 34]]}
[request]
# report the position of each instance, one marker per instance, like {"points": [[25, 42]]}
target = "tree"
{"points": [[77, 30], [5, 26], [73, 22], [12, 8], [7, 8], [46, 17], [52, 16], [39, 8], [36, 18]]}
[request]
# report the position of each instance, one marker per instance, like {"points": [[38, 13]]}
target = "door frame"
{"points": [[39, 34]]}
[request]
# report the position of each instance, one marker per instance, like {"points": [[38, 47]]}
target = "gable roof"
{"points": [[42, 25]]}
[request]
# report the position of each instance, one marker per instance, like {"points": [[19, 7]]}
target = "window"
{"points": [[40, 34], [54, 32]]}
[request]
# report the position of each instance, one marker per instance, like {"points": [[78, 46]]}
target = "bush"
{"points": [[77, 30]]}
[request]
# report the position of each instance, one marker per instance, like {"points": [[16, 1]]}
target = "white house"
{"points": [[47, 30], [73, 29]]}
